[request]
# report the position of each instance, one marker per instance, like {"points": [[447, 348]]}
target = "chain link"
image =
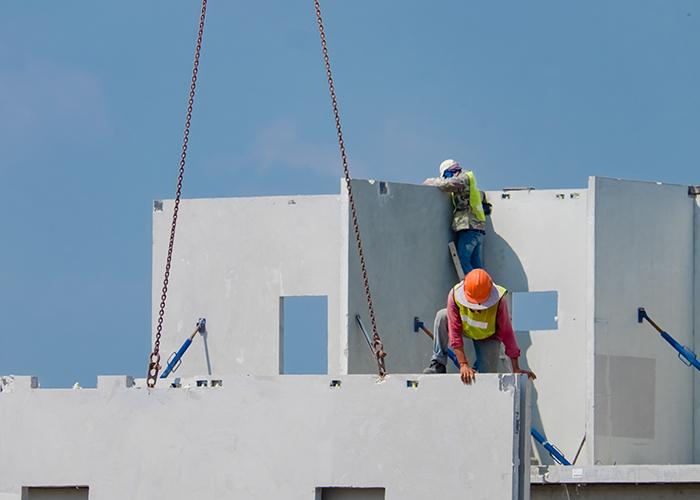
{"points": [[377, 345], [154, 360]]}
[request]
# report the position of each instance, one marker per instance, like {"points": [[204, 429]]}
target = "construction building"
{"points": [[230, 424]]}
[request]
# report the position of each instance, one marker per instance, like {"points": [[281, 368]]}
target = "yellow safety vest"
{"points": [[478, 325], [468, 209]]}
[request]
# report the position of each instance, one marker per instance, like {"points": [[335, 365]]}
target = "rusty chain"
{"points": [[377, 345], [154, 360]]}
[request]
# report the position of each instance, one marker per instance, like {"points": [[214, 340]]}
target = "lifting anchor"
{"points": [[175, 359], [685, 354]]}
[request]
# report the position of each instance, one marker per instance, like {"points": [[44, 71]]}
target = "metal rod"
{"points": [[364, 332], [554, 452], [578, 452]]}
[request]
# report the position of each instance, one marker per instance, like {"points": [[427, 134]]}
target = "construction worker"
{"points": [[475, 309], [468, 215]]}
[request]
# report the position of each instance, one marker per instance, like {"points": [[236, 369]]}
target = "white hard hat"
{"points": [[448, 164]]}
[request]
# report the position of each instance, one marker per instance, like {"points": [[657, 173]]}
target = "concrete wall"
{"points": [[646, 482], [405, 230], [537, 241], [267, 437], [598, 248], [233, 259], [696, 322], [644, 256], [614, 491]]}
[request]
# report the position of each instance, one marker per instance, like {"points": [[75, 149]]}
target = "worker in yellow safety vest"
{"points": [[475, 310], [469, 211]]}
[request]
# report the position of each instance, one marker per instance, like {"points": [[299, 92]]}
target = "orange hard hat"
{"points": [[477, 286]]}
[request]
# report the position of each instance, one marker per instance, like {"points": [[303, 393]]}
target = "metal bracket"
{"points": [[417, 324], [641, 315], [179, 362], [693, 190], [364, 332], [202, 325]]}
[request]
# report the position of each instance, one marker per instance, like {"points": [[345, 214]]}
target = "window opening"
{"points": [[304, 335], [535, 311]]}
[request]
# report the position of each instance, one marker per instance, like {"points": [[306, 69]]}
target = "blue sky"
{"points": [[92, 98]]}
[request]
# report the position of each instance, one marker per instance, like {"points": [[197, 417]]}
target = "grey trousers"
{"points": [[487, 350]]}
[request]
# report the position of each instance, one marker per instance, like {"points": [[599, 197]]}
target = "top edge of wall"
{"points": [[636, 181]]}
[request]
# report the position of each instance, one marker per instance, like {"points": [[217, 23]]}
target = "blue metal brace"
{"points": [[685, 354], [175, 359]]}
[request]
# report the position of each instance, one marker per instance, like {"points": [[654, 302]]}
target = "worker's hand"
{"points": [[530, 375], [429, 182], [467, 374]]}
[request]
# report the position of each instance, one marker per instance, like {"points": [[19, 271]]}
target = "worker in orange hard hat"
{"points": [[469, 211], [475, 310]]}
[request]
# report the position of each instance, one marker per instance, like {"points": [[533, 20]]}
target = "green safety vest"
{"points": [[468, 212], [478, 325]]}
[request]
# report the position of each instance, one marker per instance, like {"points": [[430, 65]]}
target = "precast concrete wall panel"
{"points": [[405, 231], [233, 260], [644, 256], [284, 437], [696, 331], [537, 241]]}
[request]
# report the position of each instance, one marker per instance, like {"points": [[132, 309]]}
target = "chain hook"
{"points": [[377, 345], [154, 361]]}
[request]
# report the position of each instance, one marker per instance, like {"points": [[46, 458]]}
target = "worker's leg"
{"points": [[469, 242], [487, 355], [478, 252], [438, 361]]}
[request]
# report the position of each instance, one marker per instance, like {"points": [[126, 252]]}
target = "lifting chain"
{"points": [[377, 345], [154, 360]]}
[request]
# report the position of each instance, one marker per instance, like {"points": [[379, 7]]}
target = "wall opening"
{"points": [[55, 493], [533, 311], [350, 493], [304, 335]]}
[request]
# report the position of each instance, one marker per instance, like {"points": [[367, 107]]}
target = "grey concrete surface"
{"points": [[405, 230], [615, 474], [644, 256], [600, 375], [267, 437], [615, 491], [537, 241], [619, 482], [233, 260], [696, 331]]}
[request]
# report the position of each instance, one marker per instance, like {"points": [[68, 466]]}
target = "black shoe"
{"points": [[435, 367]]}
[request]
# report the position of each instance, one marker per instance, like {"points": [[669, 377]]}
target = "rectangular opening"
{"points": [[304, 335], [55, 493], [533, 311], [350, 493]]}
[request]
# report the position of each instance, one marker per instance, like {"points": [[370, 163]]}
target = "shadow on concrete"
{"points": [[506, 269]]}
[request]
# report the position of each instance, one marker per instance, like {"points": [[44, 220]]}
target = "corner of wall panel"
{"points": [[342, 348], [589, 450]]}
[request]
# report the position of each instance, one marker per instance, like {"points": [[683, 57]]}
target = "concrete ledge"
{"points": [[615, 474], [13, 383], [110, 382], [256, 438]]}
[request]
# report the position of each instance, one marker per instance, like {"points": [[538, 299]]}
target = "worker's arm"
{"points": [[505, 333], [466, 372], [517, 369], [459, 182], [454, 328]]}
